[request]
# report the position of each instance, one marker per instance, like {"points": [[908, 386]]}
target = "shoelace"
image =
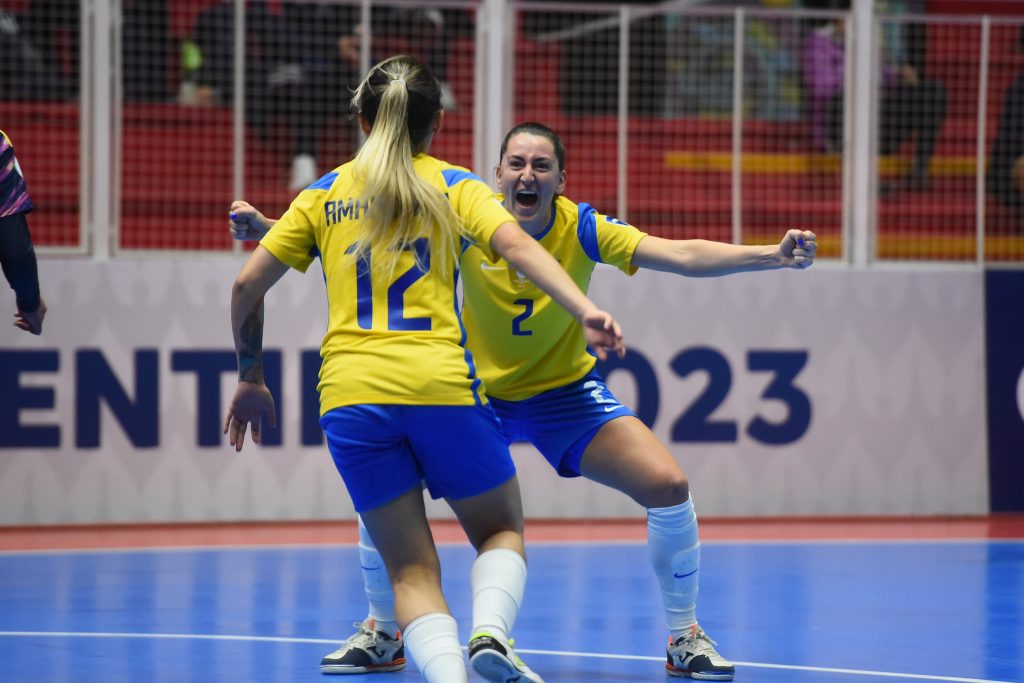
{"points": [[701, 635], [363, 633], [697, 639], [701, 644]]}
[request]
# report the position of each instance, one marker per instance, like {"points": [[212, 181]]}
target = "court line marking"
{"points": [[572, 542], [551, 653]]}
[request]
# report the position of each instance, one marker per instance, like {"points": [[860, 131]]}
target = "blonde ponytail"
{"points": [[402, 206]]}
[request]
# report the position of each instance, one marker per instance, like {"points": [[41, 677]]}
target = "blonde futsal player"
{"points": [[543, 386], [398, 389]]}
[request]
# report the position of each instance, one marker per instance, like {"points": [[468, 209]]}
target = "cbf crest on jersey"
{"points": [[518, 281]]}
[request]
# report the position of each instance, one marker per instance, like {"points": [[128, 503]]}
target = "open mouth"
{"points": [[527, 198]]}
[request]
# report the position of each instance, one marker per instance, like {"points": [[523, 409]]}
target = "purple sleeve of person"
{"points": [[822, 65], [13, 192]]}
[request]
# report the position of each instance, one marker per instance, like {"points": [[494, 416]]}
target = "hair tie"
{"points": [[400, 80]]}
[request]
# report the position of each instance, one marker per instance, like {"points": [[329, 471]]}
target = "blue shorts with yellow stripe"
{"points": [[561, 422]]}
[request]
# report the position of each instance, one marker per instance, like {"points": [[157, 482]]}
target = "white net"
{"points": [[931, 103], [674, 174], [40, 110], [300, 63], [673, 124]]}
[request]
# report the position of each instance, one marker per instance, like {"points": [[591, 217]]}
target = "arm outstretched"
{"points": [[704, 258]]}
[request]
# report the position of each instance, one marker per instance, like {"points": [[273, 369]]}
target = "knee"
{"points": [[671, 489]]}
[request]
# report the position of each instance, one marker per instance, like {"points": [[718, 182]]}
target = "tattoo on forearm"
{"points": [[250, 350]]}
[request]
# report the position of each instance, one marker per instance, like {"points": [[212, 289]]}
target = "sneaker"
{"points": [[694, 655], [367, 651], [497, 661], [303, 172]]}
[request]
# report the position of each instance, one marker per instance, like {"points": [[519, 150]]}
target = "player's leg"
{"points": [[625, 455], [376, 584], [403, 538], [582, 429], [494, 524], [469, 465], [377, 645], [365, 440], [371, 648]]}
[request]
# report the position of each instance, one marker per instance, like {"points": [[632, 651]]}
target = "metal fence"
{"points": [[882, 133]]}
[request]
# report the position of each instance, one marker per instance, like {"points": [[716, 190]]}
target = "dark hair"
{"points": [[399, 98], [534, 128]]}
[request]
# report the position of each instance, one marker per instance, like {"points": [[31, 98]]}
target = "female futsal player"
{"points": [[542, 384], [398, 391]]}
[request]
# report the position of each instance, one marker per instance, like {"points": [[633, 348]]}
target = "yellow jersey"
{"points": [[525, 343], [397, 339]]}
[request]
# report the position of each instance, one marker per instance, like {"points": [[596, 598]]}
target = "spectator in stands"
{"points": [[23, 73], [145, 50], [822, 67], [912, 106], [1005, 180], [17, 255], [295, 70], [425, 32], [52, 27], [45, 60]]}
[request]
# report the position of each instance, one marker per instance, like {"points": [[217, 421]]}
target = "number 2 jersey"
{"points": [[397, 339], [523, 342]]}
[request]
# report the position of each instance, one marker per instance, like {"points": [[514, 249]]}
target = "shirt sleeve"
{"points": [[474, 202], [14, 197], [18, 261], [606, 239], [293, 238]]}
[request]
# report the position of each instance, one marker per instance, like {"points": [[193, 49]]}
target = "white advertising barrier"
{"points": [[825, 392]]}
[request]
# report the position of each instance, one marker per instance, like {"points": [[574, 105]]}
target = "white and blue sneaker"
{"points": [[367, 651], [693, 655]]}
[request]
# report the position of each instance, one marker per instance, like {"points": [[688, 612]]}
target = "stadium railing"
{"points": [[687, 121]]}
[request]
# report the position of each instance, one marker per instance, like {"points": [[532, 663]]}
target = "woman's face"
{"points": [[530, 179]]}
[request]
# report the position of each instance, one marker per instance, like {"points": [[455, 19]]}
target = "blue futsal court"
{"points": [[794, 611]]}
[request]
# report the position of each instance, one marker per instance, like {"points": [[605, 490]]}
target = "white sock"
{"points": [[498, 579], [675, 555], [376, 584], [432, 641]]}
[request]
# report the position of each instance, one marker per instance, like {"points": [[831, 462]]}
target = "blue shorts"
{"points": [[382, 451], [562, 422]]}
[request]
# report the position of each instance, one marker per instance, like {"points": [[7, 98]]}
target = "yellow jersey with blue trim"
{"points": [[523, 341], [395, 339]]}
